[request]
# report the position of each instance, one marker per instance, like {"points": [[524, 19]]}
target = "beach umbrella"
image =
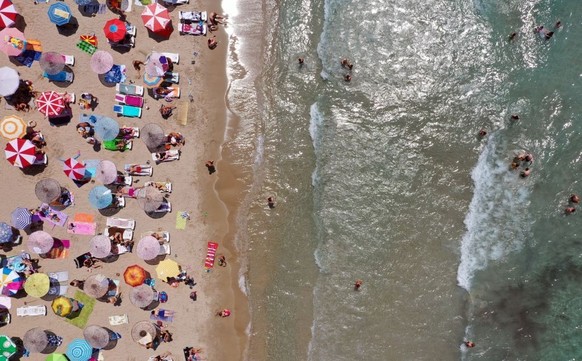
{"points": [[52, 62], [47, 190], [10, 282], [148, 248], [56, 357], [96, 285], [40, 242], [153, 136], [62, 306], [12, 127], [8, 14], [6, 233], [100, 197], [9, 81], [167, 268], [142, 296], [115, 30], [101, 62], [155, 17], [96, 336], [134, 275], [37, 285], [142, 329], [149, 198], [21, 218], [105, 128], [156, 64], [117, 5], [59, 13], [152, 81], [83, 2], [20, 152], [79, 350], [100, 246], [74, 169], [35, 339], [12, 41], [50, 103], [7, 347], [106, 172]]}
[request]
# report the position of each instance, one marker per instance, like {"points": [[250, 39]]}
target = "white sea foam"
{"points": [[315, 125]]}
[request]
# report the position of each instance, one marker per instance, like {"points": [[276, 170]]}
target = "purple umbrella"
{"points": [[51, 62], [40, 242], [148, 248]]}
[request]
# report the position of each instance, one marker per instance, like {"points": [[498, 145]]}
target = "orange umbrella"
{"points": [[135, 275]]}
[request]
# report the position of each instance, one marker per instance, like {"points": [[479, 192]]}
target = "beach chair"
{"points": [[112, 145], [126, 180], [167, 156], [120, 201], [192, 16], [131, 29], [62, 276], [144, 169], [165, 249], [118, 320], [129, 89], [31, 311], [56, 289], [131, 100], [174, 57], [164, 234], [127, 233], [120, 222], [41, 159], [63, 77], [165, 187], [166, 207], [127, 111], [69, 60], [170, 77], [121, 249], [199, 28]]}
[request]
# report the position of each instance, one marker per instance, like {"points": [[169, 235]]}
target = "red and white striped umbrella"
{"points": [[74, 169], [20, 152], [50, 103], [8, 14], [155, 17]]}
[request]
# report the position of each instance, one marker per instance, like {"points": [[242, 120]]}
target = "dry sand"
{"points": [[194, 189]]}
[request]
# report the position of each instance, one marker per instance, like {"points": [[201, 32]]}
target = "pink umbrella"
{"points": [[20, 152], [156, 17], [52, 62], [12, 41], [40, 242], [8, 14], [74, 169], [101, 62], [50, 103], [148, 248]]}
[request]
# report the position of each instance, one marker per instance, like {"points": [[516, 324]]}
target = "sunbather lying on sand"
{"points": [[175, 138]]}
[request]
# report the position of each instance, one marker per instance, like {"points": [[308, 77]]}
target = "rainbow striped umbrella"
{"points": [[10, 282]]}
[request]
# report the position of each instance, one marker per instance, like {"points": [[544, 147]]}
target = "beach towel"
{"points": [[210, 255], [181, 219], [86, 47], [52, 216], [162, 316], [85, 228], [91, 166], [59, 250]]}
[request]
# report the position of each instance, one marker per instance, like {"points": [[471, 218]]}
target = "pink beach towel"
{"points": [[134, 101], [85, 228], [210, 255]]}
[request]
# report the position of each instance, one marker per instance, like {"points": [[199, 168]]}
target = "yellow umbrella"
{"points": [[37, 284], [12, 127], [167, 268], [62, 306]]}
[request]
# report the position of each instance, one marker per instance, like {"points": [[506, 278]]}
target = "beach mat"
{"points": [[84, 228], [182, 218], [182, 108], [210, 255]]}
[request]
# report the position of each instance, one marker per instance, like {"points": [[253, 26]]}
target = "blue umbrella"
{"points": [[105, 128], [59, 13], [6, 234], [100, 197], [21, 218], [79, 350], [83, 2]]}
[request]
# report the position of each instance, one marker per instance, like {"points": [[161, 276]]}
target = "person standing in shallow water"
{"points": [[271, 202], [210, 166], [358, 285]]}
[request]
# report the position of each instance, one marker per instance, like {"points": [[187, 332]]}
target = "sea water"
{"points": [[384, 178]]}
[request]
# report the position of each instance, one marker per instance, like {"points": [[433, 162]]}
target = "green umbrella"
{"points": [[7, 347], [56, 357]]}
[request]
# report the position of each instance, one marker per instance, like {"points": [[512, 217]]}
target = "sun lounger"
{"points": [[165, 249], [166, 207], [174, 57], [41, 159], [121, 249], [112, 145], [69, 60], [198, 28], [131, 29], [167, 156], [59, 276], [172, 77], [118, 320], [127, 111], [57, 289], [127, 233], [165, 187], [129, 89], [63, 77], [164, 234], [31, 311], [123, 180], [144, 169], [120, 201], [120, 222], [192, 16], [174, 93], [131, 100]]}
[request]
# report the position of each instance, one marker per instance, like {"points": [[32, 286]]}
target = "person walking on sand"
{"points": [[223, 313], [358, 285], [210, 166], [271, 202]]}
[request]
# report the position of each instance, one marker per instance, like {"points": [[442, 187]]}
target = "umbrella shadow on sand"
{"points": [[161, 35], [20, 23], [70, 28]]}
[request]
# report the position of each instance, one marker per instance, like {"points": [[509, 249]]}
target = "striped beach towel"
{"points": [[210, 255]]}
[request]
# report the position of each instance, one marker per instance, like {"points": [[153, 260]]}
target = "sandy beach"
{"points": [[211, 200]]}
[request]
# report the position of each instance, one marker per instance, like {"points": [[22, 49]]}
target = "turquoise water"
{"points": [[384, 178]]}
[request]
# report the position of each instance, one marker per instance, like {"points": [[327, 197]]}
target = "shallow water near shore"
{"points": [[384, 178]]}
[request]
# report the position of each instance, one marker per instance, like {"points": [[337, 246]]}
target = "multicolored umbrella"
{"points": [[10, 282], [156, 18], [74, 169], [62, 306], [100, 197], [79, 350], [35, 340], [9, 81], [8, 14], [37, 285], [106, 172], [48, 190], [20, 152], [148, 248], [168, 268], [6, 233], [134, 275], [142, 296], [51, 62], [40, 242], [96, 285], [115, 30], [96, 336], [12, 127], [101, 62], [21, 218], [152, 81], [50, 103], [100, 246], [59, 13], [12, 41], [7, 347]]}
